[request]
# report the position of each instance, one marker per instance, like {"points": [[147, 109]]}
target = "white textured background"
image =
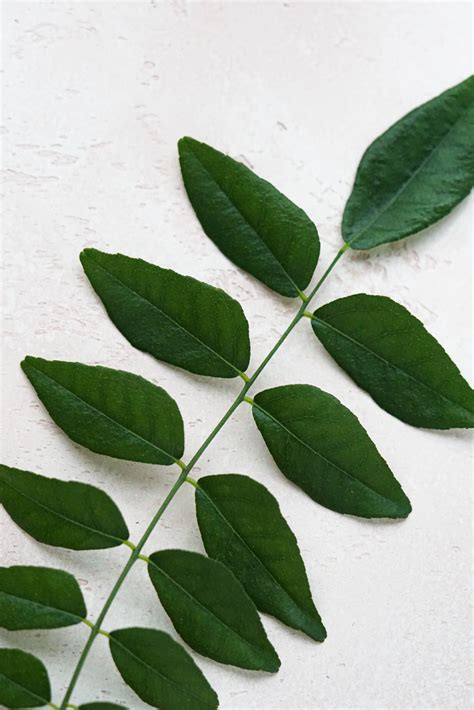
{"points": [[95, 97]]}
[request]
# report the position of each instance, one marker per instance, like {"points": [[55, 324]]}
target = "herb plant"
{"points": [[409, 178]]}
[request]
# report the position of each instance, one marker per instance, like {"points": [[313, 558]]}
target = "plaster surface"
{"points": [[95, 96]]}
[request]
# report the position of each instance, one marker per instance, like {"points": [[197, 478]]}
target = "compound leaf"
{"points": [[251, 222], [24, 680], [160, 671], [323, 448], [210, 610], [61, 513], [110, 412], [175, 318], [389, 353], [39, 598], [415, 172], [241, 526]]}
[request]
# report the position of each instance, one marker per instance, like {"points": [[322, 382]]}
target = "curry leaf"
{"points": [[251, 222], [210, 610], [242, 527], [39, 598], [415, 172], [111, 412], [160, 671], [61, 513], [175, 318], [323, 448], [388, 352], [24, 680]]}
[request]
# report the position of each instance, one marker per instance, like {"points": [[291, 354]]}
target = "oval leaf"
{"points": [[323, 448], [24, 680], [160, 671], [210, 610], [110, 412], [388, 352], [251, 222], [415, 172], [242, 527], [175, 318], [39, 598], [102, 706], [61, 513]]}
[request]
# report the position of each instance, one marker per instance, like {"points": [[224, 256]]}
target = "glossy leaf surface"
{"points": [[61, 513], [24, 681], [175, 318], [389, 353], [39, 598], [323, 448], [210, 610], [415, 172], [160, 671], [241, 526], [110, 412], [251, 222]]}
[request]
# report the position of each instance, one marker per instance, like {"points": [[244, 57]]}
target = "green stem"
{"points": [[185, 469]]}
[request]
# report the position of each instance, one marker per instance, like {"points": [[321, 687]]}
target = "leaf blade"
{"points": [[415, 172], [110, 412], [321, 446], [24, 680], [250, 221], [160, 671], [241, 526], [61, 513], [389, 353], [175, 318], [39, 598], [210, 610]]}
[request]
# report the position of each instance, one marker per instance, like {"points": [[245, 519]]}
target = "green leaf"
{"points": [[388, 352], [102, 706], [242, 527], [39, 598], [322, 447], [160, 671], [110, 412], [61, 513], [173, 317], [415, 172], [210, 610], [251, 222], [23, 680]]}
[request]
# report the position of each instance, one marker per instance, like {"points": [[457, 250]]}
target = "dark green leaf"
{"points": [[388, 352], [102, 706], [251, 222], [210, 610], [323, 448], [242, 527], [175, 318], [160, 671], [415, 172], [39, 598], [23, 680], [111, 412], [61, 513]]}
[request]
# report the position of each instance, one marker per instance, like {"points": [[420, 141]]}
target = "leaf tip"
{"points": [[86, 254], [273, 662], [27, 362], [185, 142]]}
